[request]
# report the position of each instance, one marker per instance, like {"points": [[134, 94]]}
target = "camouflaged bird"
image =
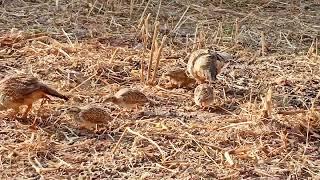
{"points": [[89, 116], [178, 78], [22, 89], [128, 98], [205, 64], [203, 95]]}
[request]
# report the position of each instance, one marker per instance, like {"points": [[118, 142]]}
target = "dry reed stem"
{"points": [[154, 39], [263, 44], [205, 152], [176, 27], [293, 112], [143, 14], [228, 158], [311, 49], [117, 144], [82, 83], [235, 124], [159, 51], [113, 55], [145, 34], [219, 34], [131, 8], [170, 170], [194, 46], [92, 7], [267, 104], [150, 140], [142, 78], [69, 41], [236, 31], [316, 44], [158, 12]]}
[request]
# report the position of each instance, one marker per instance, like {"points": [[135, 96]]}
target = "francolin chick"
{"points": [[22, 89], [178, 78], [205, 64], [90, 116], [203, 95], [128, 98]]}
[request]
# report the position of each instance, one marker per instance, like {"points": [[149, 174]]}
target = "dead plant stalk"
{"points": [[154, 38]]}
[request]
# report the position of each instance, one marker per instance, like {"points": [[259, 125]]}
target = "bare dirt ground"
{"points": [[89, 49]]}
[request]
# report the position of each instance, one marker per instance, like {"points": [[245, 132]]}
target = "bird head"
{"points": [[110, 99], [73, 110]]}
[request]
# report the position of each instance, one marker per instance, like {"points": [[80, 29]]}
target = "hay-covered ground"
{"points": [[89, 49]]}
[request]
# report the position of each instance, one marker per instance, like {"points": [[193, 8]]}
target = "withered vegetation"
{"points": [[265, 122]]}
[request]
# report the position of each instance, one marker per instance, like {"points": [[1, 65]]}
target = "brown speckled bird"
{"points": [[128, 98], [178, 78], [89, 116], [23, 89], [203, 95], [205, 64]]}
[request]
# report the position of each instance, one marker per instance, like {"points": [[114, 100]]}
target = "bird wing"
{"points": [[194, 56], [95, 115], [205, 68], [19, 86]]}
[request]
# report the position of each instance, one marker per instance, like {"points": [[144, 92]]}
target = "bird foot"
{"points": [[33, 127]]}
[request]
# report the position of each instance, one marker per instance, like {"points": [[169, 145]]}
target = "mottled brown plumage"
{"points": [[90, 116], [128, 98], [23, 89], [203, 95], [178, 78], [204, 65]]}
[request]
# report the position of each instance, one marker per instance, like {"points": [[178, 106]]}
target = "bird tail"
{"points": [[53, 92]]}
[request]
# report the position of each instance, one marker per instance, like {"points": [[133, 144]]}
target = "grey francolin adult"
{"points": [[204, 65], [23, 90]]}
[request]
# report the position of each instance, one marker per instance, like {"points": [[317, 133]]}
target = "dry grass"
{"points": [[92, 48]]}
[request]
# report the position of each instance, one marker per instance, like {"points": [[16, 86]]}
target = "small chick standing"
{"points": [[22, 89], [204, 65], [128, 98], [179, 78], [90, 116], [203, 95]]}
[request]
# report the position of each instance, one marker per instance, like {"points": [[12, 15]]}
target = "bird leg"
{"points": [[45, 99], [25, 114], [96, 128], [14, 114], [203, 107], [33, 125]]}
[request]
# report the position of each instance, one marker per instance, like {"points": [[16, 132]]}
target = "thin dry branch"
{"points": [[143, 14], [179, 22], [116, 146], [236, 30], [267, 104], [154, 39], [205, 152], [113, 55], [263, 44], [145, 34], [163, 154], [163, 41]]}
